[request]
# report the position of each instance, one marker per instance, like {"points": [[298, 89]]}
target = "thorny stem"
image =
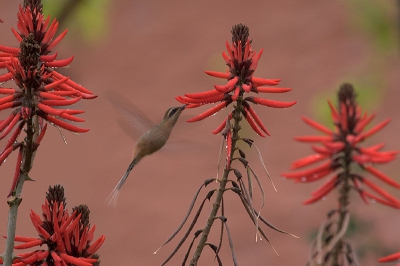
{"points": [[222, 184], [343, 202], [14, 200]]}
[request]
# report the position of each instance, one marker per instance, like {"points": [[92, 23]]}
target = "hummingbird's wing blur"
{"points": [[133, 121]]}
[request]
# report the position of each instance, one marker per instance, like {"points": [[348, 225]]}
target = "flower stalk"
{"points": [[40, 91]]}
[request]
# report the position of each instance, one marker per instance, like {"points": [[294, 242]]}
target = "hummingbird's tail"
{"points": [[113, 197]]}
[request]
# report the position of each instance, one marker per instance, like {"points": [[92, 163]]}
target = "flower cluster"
{"points": [[40, 90], [242, 61], [340, 149], [68, 238]]}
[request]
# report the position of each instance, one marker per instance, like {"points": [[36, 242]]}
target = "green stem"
{"points": [[222, 185], [343, 203], [15, 200]]}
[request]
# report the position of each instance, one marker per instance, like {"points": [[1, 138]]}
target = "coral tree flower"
{"points": [[391, 258], [340, 148], [242, 61], [40, 90], [68, 238]]}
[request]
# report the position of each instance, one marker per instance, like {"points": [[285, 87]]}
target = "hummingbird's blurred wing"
{"points": [[133, 121]]}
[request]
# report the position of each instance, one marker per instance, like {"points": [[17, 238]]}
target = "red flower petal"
{"points": [[382, 192], [60, 63], [202, 95], [252, 124], [270, 103], [218, 74], [261, 81], [271, 90], [392, 257], [313, 138], [322, 190], [317, 125], [313, 158], [209, 112], [376, 128], [382, 176]]}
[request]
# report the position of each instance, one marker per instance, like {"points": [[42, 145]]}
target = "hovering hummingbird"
{"points": [[151, 141]]}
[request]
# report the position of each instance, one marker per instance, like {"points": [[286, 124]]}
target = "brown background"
{"points": [[156, 50]]}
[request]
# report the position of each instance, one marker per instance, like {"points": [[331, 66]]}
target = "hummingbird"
{"points": [[151, 141]]}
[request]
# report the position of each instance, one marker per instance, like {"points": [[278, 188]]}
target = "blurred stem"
{"points": [[222, 184], [15, 200], [343, 203]]}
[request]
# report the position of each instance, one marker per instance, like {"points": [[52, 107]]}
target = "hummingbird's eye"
{"points": [[172, 112]]}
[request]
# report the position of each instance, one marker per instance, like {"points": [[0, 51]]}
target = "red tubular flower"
{"points": [[40, 88], [68, 237], [340, 147], [242, 62], [390, 258]]}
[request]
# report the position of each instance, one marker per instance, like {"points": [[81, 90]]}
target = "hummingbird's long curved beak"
{"points": [[183, 106]]}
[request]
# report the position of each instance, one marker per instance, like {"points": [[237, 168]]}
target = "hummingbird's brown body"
{"points": [[150, 142]]}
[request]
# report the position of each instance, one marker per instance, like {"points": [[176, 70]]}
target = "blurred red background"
{"points": [[150, 52]]}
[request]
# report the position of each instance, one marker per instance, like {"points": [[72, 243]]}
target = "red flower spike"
{"points": [[242, 62], [342, 144], [390, 258]]}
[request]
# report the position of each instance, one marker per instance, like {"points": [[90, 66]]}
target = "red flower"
{"points": [[340, 148], [390, 258], [40, 88], [242, 61], [69, 238]]}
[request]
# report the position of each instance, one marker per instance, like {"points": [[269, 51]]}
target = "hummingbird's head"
{"points": [[173, 113]]}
